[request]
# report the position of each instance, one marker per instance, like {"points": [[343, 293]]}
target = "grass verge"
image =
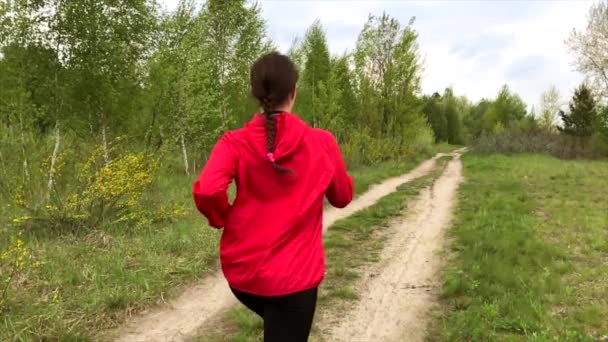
{"points": [[530, 252], [87, 283], [350, 245]]}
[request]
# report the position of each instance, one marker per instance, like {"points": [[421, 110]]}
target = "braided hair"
{"points": [[273, 78]]}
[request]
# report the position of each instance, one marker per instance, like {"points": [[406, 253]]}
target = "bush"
{"points": [[599, 145], [87, 193], [518, 140], [103, 194], [363, 149], [419, 140]]}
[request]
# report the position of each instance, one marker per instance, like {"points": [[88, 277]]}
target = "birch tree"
{"points": [[590, 48]]}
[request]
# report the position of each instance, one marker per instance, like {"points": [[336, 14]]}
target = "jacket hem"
{"points": [[276, 294]]}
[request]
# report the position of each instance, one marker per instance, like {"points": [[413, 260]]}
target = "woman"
{"points": [[271, 248]]}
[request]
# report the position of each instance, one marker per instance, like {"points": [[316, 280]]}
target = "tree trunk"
{"points": [[26, 172], [53, 162], [185, 154], [104, 139], [160, 98], [151, 129]]}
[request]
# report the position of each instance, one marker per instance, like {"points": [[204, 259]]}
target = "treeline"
{"points": [[566, 128], [456, 120], [96, 97], [95, 92], [574, 128]]}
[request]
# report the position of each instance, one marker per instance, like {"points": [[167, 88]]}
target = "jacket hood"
{"points": [[290, 133]]}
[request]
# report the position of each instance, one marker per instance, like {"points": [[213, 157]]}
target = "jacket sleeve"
{"points": [[210, 189], [340, 190]]}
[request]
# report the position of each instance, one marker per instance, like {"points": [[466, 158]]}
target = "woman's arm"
{"points": [[210, 189], [340, 190]]}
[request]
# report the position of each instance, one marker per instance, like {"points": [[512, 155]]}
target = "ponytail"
{"points": [[273, 78], [271, 133]]}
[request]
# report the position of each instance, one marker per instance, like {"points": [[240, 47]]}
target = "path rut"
{"points": [[182, 317], [398, 293]]}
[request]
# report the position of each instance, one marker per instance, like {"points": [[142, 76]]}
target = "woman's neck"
{"points": [[281, 109]]}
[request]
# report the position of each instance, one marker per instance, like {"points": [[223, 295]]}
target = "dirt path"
{"points": [[181, 318], [398, 293]]}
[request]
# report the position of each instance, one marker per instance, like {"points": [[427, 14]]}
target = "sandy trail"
{"points": [[398, 293], [182, 317]]}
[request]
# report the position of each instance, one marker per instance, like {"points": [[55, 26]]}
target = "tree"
{"points": [[435, 116], [580, 120], [166, 69], [451, 113], [315, 75], [590, 48], [507, 109], [106, 42], [550, 104], [344, 81], [473, 122], [338, 97], [225, 39], [387, 68], [296, 54], [602, 123], [35, 83]]}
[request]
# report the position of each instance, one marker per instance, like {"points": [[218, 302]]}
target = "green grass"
{"points": [[350, 245], [89, 282], [530, 252], [445, 148]]}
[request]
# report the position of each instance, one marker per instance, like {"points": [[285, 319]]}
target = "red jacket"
{"points": [[272, 244]]}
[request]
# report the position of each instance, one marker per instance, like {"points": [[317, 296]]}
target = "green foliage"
{"points": [[444, 114], [388, 83], [580, 120], [313, 99], [474, 121], [378, 101], [502, 126], [601, 124], [363, 149], [507, 109], [375, 70], [433, 110]]}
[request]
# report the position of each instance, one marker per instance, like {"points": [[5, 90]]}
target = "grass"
{"points": [[350, 245], [87, 283], [530, 252]]}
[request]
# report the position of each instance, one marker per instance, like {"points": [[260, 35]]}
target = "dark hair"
{"points": [[273, 79]]}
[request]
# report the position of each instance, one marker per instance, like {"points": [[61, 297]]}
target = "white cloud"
{"points": [[474, 46]]}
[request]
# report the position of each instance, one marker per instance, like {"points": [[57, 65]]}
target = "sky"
{"points": [[473, 46]]}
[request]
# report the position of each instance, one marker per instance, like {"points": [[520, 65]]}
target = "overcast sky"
{"points": [[473, 46]]}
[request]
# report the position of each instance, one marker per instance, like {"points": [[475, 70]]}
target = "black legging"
{"points": [[286, 318]]}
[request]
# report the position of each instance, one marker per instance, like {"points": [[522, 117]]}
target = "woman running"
{"points": [[271, 249]]}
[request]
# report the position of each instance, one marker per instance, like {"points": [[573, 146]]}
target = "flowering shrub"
{"points": [[107, 194], [14, 262], [95, 193], [89, 191]]}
